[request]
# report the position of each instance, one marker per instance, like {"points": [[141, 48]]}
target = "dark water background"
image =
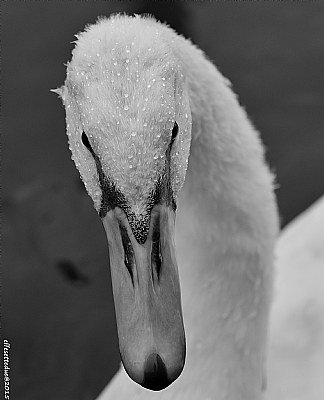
{"points": [[57, 309]]}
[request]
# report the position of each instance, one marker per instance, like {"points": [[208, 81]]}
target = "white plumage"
{"points": [[227, 219], [296, 345]]}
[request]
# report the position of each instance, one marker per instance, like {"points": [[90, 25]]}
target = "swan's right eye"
{"points": [[86, 142]]}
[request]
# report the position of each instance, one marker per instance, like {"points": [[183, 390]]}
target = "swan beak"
{"points": [[147, 298]]}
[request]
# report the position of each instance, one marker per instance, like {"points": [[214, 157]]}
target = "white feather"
{"points": [[227, 219]]}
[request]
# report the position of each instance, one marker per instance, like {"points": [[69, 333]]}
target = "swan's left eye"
{"points": [[174, 131]]}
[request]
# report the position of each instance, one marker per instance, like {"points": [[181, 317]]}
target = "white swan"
{"points": [[296, 337], [137, 98]]}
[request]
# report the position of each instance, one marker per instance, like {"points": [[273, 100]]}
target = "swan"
{"points": [[296, 334], [154, 130]]}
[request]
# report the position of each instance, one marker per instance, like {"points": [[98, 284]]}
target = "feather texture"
{"points": [[129, 80]]}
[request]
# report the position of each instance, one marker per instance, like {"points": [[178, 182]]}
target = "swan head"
{"points": [[129, 128]]}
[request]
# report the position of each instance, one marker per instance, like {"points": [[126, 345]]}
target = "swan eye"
{"points": [[86, 142], [174, 131]]}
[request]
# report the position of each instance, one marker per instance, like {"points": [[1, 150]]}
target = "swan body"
{"points": [[130, 83], [296, 336]]}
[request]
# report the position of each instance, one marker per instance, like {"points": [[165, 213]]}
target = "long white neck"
{"points": [[227, 224], [226, 227]]}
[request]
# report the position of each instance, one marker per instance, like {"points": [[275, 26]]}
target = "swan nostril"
{"points": [[155, 373], [129, 258], [156, 253]]}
